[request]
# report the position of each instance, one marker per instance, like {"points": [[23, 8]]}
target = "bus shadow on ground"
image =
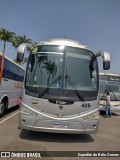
{"points": [[9, 111], [55, 137], [103, 114]]}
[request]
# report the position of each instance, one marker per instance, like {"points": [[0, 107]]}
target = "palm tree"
{"points": [[20, 39], [17, 41], [6, 36], [43, 57], [51, 69]]}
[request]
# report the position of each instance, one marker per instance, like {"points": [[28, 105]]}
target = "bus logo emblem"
{"points": [[61, 102], [60, 107]]}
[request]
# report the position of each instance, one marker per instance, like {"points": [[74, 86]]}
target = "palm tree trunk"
{"points": [[48, 80], [2, 62], [48, 83], [4, 47]]}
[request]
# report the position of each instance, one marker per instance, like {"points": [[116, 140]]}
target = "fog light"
{"points": [[94, 126], [27, 112], [23, 121], [94, 116]]}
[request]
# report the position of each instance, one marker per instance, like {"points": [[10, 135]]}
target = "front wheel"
{"points": [[2, 109]]}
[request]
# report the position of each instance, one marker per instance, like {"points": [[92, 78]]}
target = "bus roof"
{"points": [[12, 61], [63, 41], [105, 74]]}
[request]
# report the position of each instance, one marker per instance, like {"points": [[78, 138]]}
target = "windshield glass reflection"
{"points": [[48, 66]]}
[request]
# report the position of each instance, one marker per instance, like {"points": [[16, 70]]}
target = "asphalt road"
{"points": [[13, 139]]}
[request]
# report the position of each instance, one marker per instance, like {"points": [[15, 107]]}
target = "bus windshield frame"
{"points": [[47, 63]]}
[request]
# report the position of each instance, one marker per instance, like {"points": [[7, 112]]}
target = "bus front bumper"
{"points": [[78, 126]]}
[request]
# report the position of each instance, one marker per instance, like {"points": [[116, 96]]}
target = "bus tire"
{"points": [[2, 109], [4, 105]]}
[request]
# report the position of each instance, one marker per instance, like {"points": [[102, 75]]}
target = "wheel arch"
{"points": [[5, 99]]}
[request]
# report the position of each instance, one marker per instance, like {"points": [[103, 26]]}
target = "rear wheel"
{"points": [[2, 109]]}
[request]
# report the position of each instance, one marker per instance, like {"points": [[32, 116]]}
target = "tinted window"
{"points": [[19, 74], [8, 71], [51, 68], [77, 67], [12, 71]]}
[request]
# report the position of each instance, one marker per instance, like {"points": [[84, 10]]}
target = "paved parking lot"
{"points": [[13, 139]]}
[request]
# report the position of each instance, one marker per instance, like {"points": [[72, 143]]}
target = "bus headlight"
{"points": [[26, 111], [94, 116]]}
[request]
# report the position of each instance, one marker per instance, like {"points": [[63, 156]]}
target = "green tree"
{"points": [[51, 69], [6, 36], [40, 60], [20, 39]]}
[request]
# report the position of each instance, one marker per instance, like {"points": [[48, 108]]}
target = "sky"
{"points": [[95, 23]]}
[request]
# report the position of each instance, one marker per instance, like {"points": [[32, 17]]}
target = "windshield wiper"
{"points": [[72, 84], [46, 89]]}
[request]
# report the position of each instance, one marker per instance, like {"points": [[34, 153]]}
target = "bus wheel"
{"points": [[2, 109]]}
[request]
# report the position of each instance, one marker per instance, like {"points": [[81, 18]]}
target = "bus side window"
{"points": [[8, 71], [18, 74]]}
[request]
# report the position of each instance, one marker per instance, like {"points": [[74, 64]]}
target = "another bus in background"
{"points": [[111, 83], [11, 84]]}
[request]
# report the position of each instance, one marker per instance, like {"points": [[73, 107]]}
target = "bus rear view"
{"points": [[61, 87]]}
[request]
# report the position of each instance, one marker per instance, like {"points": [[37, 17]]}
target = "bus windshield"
{"points": [[49, 67]]}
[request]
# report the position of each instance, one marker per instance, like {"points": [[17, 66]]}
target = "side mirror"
{"points": [[21, 50], [106, 59]]}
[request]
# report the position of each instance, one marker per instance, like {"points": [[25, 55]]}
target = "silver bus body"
{"points": [[111, 83], [66, 100]]}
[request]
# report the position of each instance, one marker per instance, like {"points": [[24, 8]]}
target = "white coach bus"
{"points": [[111, 83], [61, 87], [11, 84]]}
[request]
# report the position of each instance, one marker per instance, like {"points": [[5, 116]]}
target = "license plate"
{"points": [[61, 126]]}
